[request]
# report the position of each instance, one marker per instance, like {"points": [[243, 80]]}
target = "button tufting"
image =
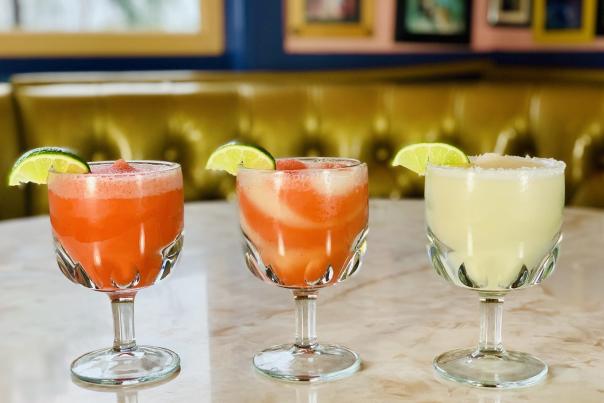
{"points": [[99, 156], [171, 154], [383, 154], [322, 120]]}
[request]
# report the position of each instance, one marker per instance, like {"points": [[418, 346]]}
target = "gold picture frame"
{"points": [[299, 25], [555, 32], [515, 14], [208, 41]]}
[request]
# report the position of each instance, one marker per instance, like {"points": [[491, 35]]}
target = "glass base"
{"points": [[505, 370], [319, 363], [142, 365]]}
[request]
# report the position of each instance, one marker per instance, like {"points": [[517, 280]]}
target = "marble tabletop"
{"points": [[395, 312]]}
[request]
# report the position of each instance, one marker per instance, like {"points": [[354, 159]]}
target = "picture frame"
{"points": [[209, 40], [442, 22], [512, 13], [564, 21], [600, 18], [330, 18]]}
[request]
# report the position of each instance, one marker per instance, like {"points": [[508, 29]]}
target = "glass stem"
{"points": [[123, 324], [306, 319], [491, 318], [127, 396]]}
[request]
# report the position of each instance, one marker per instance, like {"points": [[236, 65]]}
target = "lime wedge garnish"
{"points": [[33, 166], [416, 157], [229, 157]]}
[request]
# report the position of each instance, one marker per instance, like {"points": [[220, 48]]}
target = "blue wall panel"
{"points": [[550, 59], [27, 65]]}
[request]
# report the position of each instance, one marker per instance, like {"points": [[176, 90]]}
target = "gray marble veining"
{"points": [[395, 312]]}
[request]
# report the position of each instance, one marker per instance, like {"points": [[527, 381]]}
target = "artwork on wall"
{"points": [[564, 21], [330, 18], [433, 21], [600, 18], [509, 12]]}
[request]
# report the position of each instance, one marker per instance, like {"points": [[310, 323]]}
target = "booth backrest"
{"points": [[185, 121], [12, 200]]}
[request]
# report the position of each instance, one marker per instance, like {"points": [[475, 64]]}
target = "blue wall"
{"points": [[550, 59], [12, 66], [254, 41]]}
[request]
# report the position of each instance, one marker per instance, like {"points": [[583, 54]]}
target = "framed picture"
{"points": [[115, 28], [327, 18], [600, 18], [509, 12], [433, 21], [564, 21]]}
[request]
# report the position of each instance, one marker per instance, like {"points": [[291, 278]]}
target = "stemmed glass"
{"points": [[117, 230], [305, 227], [494, 227]]}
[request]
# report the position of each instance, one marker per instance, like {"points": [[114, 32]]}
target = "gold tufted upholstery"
{"points": [[12, 201], [186, 120]]}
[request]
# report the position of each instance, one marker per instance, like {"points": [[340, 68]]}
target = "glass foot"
{"points": [[142, 365], [505, 370], [319, 363]]}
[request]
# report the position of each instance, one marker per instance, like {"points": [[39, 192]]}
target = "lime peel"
{"points": [[34, 165], [416, 157], [231, 156]]}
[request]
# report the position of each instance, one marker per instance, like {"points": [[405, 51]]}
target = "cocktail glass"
{"points": [[305, 228], [118, 232], [494, 227]]}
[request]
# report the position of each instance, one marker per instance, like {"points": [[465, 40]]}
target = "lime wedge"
{"points": [[33, 166], [229, 157], [417, 156]]}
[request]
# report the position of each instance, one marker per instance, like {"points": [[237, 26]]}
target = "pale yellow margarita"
{"points": [[494, 224]]}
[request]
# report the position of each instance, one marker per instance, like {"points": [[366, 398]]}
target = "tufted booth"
{"points": [[12, 201], [184, 120]]}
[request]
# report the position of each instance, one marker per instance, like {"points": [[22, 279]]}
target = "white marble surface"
{"points": [[395, 312]]}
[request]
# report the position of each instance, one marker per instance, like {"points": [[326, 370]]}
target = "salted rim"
{"points": [[166, 166], [353, 164], [548, 166]]}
